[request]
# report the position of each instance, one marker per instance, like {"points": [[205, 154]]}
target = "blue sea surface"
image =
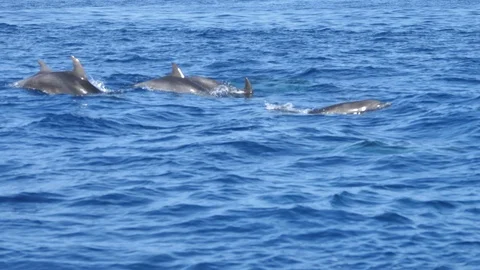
{"points": [[141, 179]]}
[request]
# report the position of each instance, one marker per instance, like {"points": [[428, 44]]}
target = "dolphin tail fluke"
{"points": [[43, 66], [78, 68], [176, 71], [248, 88]]}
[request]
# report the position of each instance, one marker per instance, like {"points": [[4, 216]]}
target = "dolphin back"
{"points": [[59, 83], [204, 82], [172, 84], [354, 107], [72, 82]]}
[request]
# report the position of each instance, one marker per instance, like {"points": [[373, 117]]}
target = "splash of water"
{"points": [[221, 91], [100, 85], [287, 107]]}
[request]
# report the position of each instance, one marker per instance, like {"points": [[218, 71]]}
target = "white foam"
{"points": [[287, 107], [221, 91], [99, 84]]}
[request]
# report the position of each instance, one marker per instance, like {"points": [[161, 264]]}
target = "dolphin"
{"points": [[176, 81], [211, 84], [73, 82], [354, 107]]}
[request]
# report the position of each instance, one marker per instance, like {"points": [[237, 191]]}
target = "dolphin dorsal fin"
{"points": [[43, 66], [176, 71], [78, 68], [248, 88]]}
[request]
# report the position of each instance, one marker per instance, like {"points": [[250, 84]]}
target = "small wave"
{"points": [[439, 205], [289, 198], [393, 218], [119, 199], [232, 179], [250, 147], [347, 199], [466, 80], [308, 72], [127, 59], [73, 122], [179, 210], [8, 28], [32, 197], [5, 25], [325, 235], [375, 146], [304, 212]]}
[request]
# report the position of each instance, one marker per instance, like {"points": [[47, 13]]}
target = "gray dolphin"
{"points": [[73, 82], [173, 84], [211, 84], [354, 107], [176, 81]]}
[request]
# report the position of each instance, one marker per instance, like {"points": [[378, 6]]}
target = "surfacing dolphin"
{"points": [[176, 81], [354, 107], [212, 84], [73, 82]]}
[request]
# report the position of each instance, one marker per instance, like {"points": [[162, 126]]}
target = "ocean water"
{"points": [[139, 179]]}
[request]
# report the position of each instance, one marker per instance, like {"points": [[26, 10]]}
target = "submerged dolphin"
{"points": [[176, 81], [354, 107], [60, 82]]}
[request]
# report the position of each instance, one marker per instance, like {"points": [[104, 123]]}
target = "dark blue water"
{"points": [[137, 179]]}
